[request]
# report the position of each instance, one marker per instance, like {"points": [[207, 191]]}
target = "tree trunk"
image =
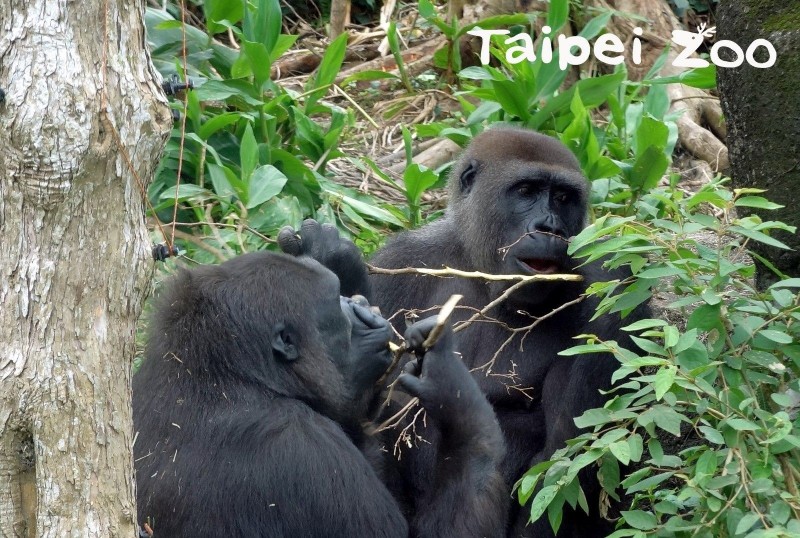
{"points": [[74, 265], [761, 107]]}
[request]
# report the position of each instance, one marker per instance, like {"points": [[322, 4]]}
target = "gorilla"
{"points": [[250, 407], [515, 199]]}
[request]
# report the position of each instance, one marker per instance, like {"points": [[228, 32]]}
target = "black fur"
{"points": [[249, 405], [516, 196]]}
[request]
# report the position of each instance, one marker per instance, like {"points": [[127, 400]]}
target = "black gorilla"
{"points": [[249, 407], [516, 196]]}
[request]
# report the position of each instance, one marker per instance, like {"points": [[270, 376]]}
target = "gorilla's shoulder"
{"points": [[433, 245]]}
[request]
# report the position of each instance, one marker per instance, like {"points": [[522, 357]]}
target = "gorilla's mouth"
{"points": [[540, 265]]}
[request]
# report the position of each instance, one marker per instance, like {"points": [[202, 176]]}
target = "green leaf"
{"points": [[705, 318], [542, 500], [701, 77], [621, 451], [644, 324], [328, 68], [663, 381], [671, 336], [788, 283], [660, 272], [649, 483], [216, 123], [707, 463], [557, 14], [417, 180], [187, 191], [712, 435], [741, 424], [776, 336], [593, 417], [265, 182], [222, 186], [258, 59], [757, 202], [367, 76], [746, 523], [248, 152], [376, 213], [639, 519], [221, 10], [648, 169], [760, 237]]}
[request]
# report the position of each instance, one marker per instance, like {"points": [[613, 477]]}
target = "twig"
{"points": [[448, 272]]}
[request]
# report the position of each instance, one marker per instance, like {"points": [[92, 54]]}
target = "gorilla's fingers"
{"points": [[290, 242], [310, 231], [366, 317], [360, 300], [412, 384], [329, 234], [418, 333], [412, 368]]}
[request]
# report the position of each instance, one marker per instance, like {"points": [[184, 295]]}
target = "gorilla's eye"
{"points": [[561, 197], [526, 189]]}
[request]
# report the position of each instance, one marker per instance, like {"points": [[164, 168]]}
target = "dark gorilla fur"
{"points": [[516, 196], [249, 410]]}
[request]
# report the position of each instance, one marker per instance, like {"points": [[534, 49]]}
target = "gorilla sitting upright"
{"points": [[249, 407], [515, 199]]}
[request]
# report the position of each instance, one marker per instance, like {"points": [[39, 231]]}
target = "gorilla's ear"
{"points": [[283, 343], [468, 176]]}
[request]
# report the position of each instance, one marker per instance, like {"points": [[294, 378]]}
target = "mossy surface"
{"points": [[774, 16]]}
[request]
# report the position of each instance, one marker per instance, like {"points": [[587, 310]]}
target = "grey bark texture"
{"points": [[74, 259], [762, 110]]}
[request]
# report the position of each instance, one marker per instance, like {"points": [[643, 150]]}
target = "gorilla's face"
{"points": [[356, 339], [517, 197]]}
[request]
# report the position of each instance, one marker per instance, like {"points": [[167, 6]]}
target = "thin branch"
{"points": [[450, 272]]}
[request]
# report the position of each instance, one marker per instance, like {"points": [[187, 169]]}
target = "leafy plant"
{"points": [[727, 381], [252, 155]]}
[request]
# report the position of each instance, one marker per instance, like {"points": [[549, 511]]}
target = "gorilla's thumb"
{"points": [[411, 383], [289, 241]]}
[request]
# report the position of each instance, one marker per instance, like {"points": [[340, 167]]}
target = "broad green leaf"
{"points": [[648, 169], [222, 10], [776, 336], [741, 424], [663, 381], [265, 182], [621, 451], [328, 69], [648, 483], [557, 14], [712, 435], [222, 186], [639, 519], [216, 123], [705, 318], [543, 498], [757, 202]]}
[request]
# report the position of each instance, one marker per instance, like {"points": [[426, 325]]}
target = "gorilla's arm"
{"points": [[323, 243], [467, 496]]}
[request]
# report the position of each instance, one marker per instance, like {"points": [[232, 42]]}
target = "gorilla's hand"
{"points": [[440, 379], [324, 244], [369, 344]]}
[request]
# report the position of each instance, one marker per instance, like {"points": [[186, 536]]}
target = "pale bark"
{"points": [[74, 260]]}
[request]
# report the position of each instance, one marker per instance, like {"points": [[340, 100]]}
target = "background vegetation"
{"points": [[701, 436]]}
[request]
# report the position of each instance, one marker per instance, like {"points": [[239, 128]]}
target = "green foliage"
{"points": [[726, 382], [252, 156]]}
